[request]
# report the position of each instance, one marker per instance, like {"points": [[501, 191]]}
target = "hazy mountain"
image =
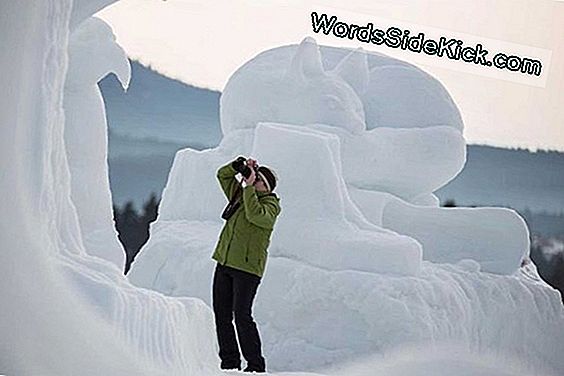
{"points": [[508, 177], [158, 116], [147, 125], [156, 108]]}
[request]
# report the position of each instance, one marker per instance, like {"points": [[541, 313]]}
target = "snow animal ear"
{"points": [[306, 63], [353, 69]]}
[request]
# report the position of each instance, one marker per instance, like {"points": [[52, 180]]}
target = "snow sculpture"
{"points": [[308, 95], [93, 54], [406, 97], [321, 225], [66, 312], [410, 146], [345, 181]]}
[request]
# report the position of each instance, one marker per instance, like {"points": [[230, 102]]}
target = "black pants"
{"points": [[233, 294]]}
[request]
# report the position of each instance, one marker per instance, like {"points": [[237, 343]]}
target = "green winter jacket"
{"points": [[245, 237]]}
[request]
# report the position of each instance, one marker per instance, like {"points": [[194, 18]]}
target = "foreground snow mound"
{"points": [[67, 308], [310, 318], [446, 359]]}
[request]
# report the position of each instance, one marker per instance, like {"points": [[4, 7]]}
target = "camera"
{"points": [[240, 166]]}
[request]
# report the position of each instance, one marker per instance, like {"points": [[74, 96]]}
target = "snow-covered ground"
{"points": [[366, 274]]}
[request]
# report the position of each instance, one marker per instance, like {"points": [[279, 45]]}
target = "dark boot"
{"points": [[255, 370]]}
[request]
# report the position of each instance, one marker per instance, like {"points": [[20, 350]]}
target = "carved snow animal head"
{"points": [[289, 85]]}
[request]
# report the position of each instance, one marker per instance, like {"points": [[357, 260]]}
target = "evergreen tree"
{"points": [[558, 277], [133, 228], [150, 209], [449, 203]]}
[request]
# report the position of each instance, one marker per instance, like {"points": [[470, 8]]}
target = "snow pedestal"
{"points": [[320, 225], [496, 238]]}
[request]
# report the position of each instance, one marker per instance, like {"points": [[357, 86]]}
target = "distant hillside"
{"points": [[161, 109], [158, 116], [147, 125], [514, 178]]}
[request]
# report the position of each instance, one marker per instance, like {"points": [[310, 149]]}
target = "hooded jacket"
{"points": [[245, 237]]}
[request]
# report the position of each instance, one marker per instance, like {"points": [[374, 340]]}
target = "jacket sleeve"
{"points": [[227, 181], [260, 214]]}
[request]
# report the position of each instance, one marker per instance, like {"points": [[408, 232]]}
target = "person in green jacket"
{"points": [[241, 255]]}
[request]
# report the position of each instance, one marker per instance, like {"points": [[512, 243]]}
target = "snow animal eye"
{"points": [[333, 102]]}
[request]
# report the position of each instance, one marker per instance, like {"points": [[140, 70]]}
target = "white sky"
{"points": [[203, 42]]}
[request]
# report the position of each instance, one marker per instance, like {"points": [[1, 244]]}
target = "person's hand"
{"points": [[251, 179], [251, 164]]}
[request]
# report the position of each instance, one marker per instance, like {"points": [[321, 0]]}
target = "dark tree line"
{"points": [[133, 227], [551, 270]]}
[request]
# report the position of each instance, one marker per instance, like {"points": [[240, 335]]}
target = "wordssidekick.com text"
{"points": [[450, 48]]}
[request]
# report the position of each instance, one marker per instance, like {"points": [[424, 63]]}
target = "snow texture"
{"points": [[342, 287], [66, 311]]}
